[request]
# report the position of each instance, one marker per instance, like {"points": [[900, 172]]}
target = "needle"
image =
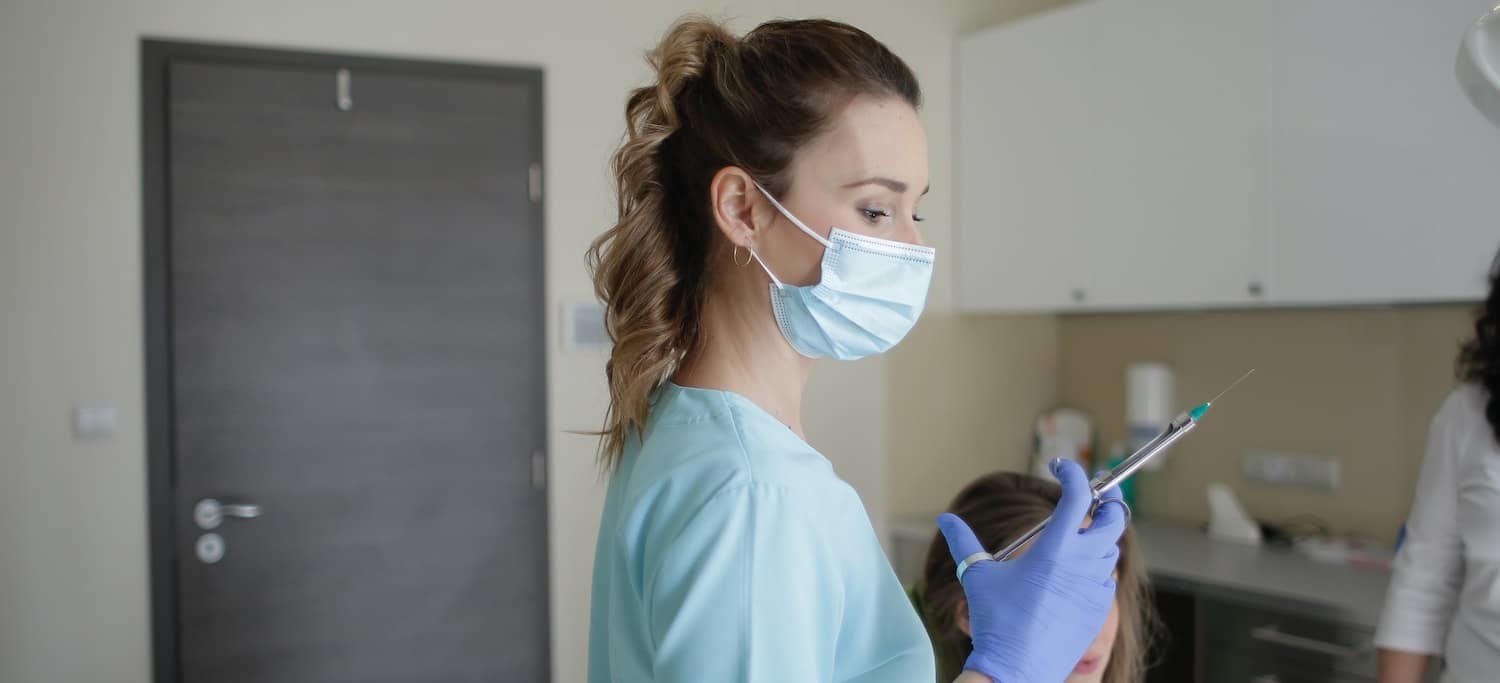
{"points": [[1201, 410], [1231, 386]]}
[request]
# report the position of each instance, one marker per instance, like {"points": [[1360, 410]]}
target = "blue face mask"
{"points": [[871, 293]]}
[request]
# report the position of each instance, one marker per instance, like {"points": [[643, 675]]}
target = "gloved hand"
{"points": [[1033, 616]]}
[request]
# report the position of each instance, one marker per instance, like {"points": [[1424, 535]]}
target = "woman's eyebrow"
{"points": [[894, 185]]}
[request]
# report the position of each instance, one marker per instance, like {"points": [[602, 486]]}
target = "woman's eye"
{"points": [[918, 219], [874, 215]]}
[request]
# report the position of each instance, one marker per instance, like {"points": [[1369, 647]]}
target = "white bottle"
{"points": [[1150, 398]]}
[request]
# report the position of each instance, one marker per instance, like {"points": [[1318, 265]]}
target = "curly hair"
{"points": [[1479, 360]]}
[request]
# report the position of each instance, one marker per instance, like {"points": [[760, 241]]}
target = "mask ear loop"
{"points": [[803, 226], [800, 225], [774, 280]]}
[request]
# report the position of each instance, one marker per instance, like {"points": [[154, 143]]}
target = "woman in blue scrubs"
{"points": [[768, 190]]}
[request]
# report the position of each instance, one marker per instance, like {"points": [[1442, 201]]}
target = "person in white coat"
{"points": [[1444, 597]]}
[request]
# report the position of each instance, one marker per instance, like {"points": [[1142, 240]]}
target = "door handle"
{"points": [[209, 513]]}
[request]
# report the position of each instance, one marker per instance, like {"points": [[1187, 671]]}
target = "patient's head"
{"points": [[1000, 507]]}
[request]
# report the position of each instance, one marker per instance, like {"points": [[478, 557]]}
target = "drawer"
{"points": [[1239, 642]]}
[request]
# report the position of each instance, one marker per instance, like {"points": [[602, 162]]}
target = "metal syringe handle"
{"points": [[1104, 482]]}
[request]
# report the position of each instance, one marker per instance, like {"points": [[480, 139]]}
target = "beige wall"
{"points": [[1360, 385], [72, 515], [964, 393]]}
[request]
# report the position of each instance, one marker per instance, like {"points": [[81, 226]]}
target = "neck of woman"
{"points": [[738, 351]]}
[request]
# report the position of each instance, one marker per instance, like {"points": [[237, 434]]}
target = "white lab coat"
{"points": [[1444, 596]]}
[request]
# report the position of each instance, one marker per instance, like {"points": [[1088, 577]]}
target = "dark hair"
{"points": [[1479, 360], [1000, 507], [718, 101]]}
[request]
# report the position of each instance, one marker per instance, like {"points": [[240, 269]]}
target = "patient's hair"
{"points": [[999, 507]]}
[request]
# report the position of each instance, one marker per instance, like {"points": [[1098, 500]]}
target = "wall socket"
{"points": [[1278, 468]]}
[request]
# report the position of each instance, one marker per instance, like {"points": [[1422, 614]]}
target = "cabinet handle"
{"points": [[1255, 289], [1272, 634], [1079, 296], [341, 96]]}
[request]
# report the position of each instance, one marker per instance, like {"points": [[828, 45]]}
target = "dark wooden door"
{"points": [[354, 298]]}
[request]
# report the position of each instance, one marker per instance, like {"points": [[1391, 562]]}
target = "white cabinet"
{"points": [[1019, 227], [1386, 182], [1137, 154], [1176, 186], [1112, 154]]}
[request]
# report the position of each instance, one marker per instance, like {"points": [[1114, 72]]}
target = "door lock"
{"points": [[209, 548]]}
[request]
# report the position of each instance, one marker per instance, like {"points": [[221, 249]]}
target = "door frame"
{"points": [[155, 57]]}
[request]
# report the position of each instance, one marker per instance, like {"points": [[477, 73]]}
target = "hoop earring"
{"points": [[736, 256]]}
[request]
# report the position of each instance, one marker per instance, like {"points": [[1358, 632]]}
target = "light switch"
{"points": [[583, 326], [94, 421]]}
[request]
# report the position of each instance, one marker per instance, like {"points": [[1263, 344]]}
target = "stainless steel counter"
{"points": [[1184, 558]]}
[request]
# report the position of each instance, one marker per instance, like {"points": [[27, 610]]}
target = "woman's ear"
{"points": [[734, 200], [963, 618]]}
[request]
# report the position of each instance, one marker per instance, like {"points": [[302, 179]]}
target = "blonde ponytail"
{"points": [[651, 309]]}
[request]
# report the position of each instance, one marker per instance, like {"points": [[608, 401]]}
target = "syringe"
{"points": [[1179, 427]]}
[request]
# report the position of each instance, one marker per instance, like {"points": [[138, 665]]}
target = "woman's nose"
{"points": [[914, 232]]}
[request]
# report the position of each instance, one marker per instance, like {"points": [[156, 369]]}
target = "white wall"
{"points": [[73, 563]]}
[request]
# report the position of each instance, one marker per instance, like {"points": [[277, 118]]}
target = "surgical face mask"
{"points": [[870, 295]]}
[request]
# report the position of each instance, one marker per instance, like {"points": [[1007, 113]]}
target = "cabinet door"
{"points": [[1385, 179], [1179, 165], [1019, 219], [1245, 638], [1113, 155]]}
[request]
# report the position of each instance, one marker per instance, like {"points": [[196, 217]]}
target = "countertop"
{"points": [[1182, 557], [1185, 559]]}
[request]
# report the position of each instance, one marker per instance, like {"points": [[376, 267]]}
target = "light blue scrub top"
{"points": [[730, 551]]}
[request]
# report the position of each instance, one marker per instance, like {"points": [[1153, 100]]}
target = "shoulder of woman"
{"points": [[1463, 406], [1461, 423], [714, 455], [699, 465]]}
